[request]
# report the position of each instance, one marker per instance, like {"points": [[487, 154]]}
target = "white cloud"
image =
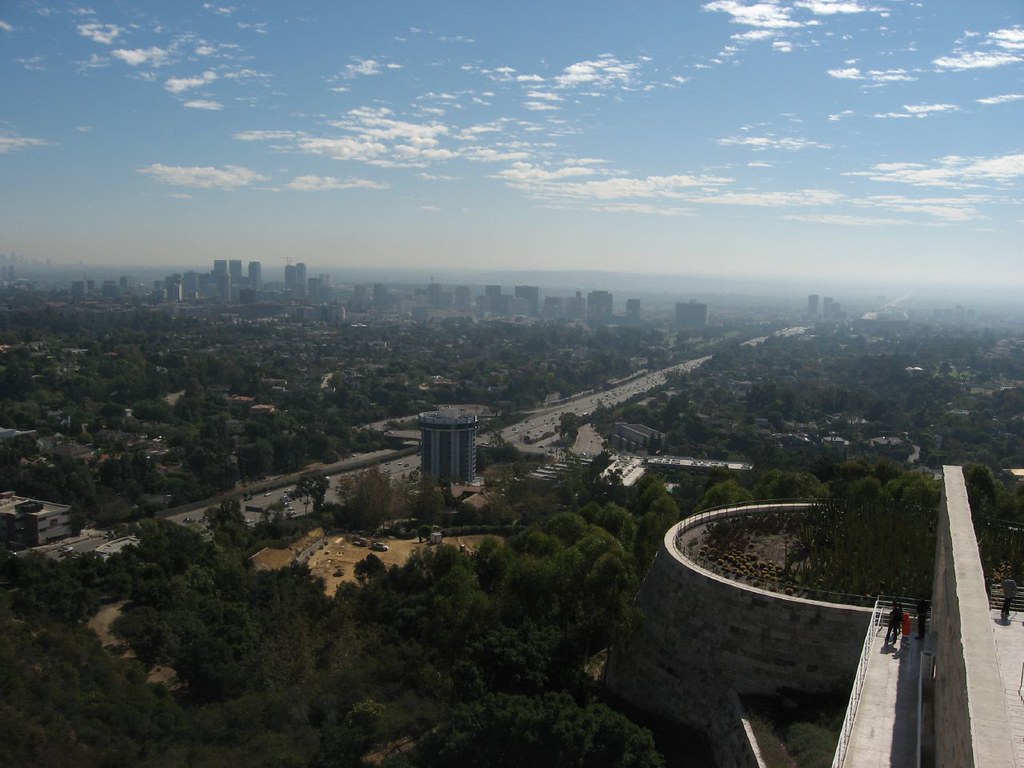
{"points": [[766, 15], [5, 26], [842, 219], [922, 110], [873, 75], [830, 7], [34, 63], [265, 135], [771, 142], [330, 184], [540, 106], [754, 35], [800, 198], [527, 172], [952, 172], [220, 10], [604, 72], [1006, 98], [136, 56], [943, 208], [782, 46], [259, 27], [100, 33], [529, 79], [840, 115], [1011, 39], [213, 106], [346, 148], [846, 73], [227, 178], [535, 181], [11, 143], [182, 84], [361, 67], [976, 60]]}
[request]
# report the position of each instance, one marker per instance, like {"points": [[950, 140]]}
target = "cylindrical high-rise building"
{"points": [[448, 445]]}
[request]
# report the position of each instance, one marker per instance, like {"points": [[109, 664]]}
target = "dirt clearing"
{"points": [[335, 563]]}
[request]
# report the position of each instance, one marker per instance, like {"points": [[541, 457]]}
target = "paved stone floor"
{"points": [[885, 729], [1010, 654]]}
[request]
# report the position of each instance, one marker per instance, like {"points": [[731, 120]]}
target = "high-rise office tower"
{"points": [[633, 309], [448, 445], [290, 273], [829, 308], [531, 295], [812, 305], [300, 278], [235, 271], [255, 275], [434, 295], [599, 307], [220, 266], [463, 298]]}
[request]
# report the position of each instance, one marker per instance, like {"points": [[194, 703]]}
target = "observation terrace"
{"points": [[951, 700]]}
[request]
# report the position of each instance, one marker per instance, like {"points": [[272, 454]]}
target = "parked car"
{"points": [[379, 546]]}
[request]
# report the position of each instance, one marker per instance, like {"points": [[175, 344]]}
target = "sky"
{"points": [[812, 139]]}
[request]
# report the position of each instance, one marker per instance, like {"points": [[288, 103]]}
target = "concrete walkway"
{"points": [[1009, 637], [885, 728]]}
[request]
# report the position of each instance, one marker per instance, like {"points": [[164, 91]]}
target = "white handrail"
{"points": [[858, 685]]}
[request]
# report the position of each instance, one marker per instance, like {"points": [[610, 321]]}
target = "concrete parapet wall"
{"points": [[971, 725], [703, 635]]}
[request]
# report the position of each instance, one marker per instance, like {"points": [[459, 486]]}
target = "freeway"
{"points": [[539, 431], [535, 434]]}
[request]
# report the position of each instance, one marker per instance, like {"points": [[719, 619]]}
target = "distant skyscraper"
{"points": [[235, 271], [434, 295], [829, 308], [530, 294], [220, 266], [633, 309], [599, 307], [300, 278], [812, 305], [314, 289], [255, 275], [290, 277], [448, 445], [463, 298], [381, 297], [691, 314]]}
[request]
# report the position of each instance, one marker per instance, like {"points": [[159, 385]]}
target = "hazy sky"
{"points": [[805, 137]]}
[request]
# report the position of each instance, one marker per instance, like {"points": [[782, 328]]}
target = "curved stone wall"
{"points": [[703, 635]]}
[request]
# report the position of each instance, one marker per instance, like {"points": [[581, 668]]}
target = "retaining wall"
{"points": [[703, 635]]}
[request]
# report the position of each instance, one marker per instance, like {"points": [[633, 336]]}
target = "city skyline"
{"points": [[816, 139]]}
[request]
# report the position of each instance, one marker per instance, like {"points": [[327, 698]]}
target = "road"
{"points": [[538, 433]]}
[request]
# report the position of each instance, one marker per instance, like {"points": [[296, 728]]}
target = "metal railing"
{"points": [[858, 685]]}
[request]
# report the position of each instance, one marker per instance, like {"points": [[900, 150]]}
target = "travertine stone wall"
{"points": [[703, 635], [971, 723]]}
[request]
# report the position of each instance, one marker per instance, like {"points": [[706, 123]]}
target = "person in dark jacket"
{"points": [[922, 617], [1009, 590], [895, 621]]}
